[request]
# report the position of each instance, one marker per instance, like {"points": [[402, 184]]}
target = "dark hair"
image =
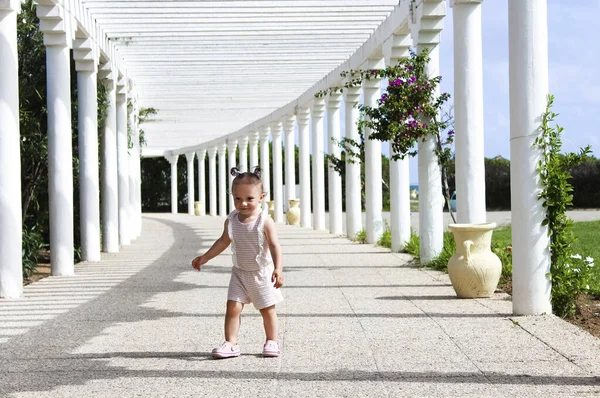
{"points": [[248, 177]]}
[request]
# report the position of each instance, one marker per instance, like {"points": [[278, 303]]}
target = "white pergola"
{"points": [[230, 74]]}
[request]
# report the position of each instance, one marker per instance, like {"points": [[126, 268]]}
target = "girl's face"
{"points": [[247, 197]]}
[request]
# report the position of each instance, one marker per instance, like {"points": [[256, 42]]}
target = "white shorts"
{"points": [[253, 287]]}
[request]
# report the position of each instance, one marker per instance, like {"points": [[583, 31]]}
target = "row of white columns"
{"points": [[312, 187], [528, 51], [121, 198]]}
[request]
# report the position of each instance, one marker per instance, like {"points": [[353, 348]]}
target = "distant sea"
{"points": [[415, 187]]}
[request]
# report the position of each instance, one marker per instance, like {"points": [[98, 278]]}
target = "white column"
{"points": [[231, 150], [11, 272], [202, 181], [318, 164], [290, 159], [373, 173], [431, 199], [123, 165], [353, 182], [399, 202], [468, 112], [212, 180], [277, 171], [396, 47], [303, 116], [425, 31], [244, 153], [528, 77], [223, 179], [109, 177], [89, 180], [132, 159], [138, 188], [189, 157], [137, 163], [60, 152], [334, 178], [264, 163], [173, 161], [136, 170], [253, 139]]}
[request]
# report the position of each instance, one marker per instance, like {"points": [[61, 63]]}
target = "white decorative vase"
{"points": [[271, 208], [474, 269], [198, 208], [293, 213]]}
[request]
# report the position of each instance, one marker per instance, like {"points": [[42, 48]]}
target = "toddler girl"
{"points": [[256, 275]]}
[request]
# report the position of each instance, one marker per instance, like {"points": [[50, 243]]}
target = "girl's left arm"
{"points": [[273, 241]]}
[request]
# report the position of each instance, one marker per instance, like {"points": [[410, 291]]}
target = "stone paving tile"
{"points": [[328, 388], [156, 383], [559, 367]]}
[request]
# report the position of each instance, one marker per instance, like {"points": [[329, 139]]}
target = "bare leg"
{"points": [[270, 322], [232, 321]]}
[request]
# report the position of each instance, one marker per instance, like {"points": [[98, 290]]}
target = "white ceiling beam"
{"points": [[253, 41], [192, 19], [125, 36], [258, 12], [240, 4]]}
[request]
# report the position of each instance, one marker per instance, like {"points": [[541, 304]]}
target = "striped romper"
{"points": [[252, 264]]}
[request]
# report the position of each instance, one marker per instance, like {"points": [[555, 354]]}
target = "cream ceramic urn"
{"points": [[293, 214], [271, 208], [474, 269]]}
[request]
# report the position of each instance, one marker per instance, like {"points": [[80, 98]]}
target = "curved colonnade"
{"points": [[415, 24]]}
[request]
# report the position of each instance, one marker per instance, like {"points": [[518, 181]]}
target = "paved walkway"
{"points": [[357, 321]]}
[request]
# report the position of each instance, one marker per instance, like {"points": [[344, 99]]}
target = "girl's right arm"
{"points": [[220, 244]]}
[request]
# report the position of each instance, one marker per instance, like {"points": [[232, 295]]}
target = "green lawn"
{"points": [[588, 244]]}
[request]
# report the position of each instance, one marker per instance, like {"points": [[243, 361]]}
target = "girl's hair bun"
{"points": [[235, 171], [257, 171]]}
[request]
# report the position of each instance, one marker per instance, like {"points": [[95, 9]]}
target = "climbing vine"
{"points": [[569, 272], [143, 115]]}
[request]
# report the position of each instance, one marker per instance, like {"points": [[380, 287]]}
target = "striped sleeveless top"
{"points": [[249, 246]]}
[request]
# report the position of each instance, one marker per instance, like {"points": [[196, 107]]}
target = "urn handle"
{"points": [[467, 245]]}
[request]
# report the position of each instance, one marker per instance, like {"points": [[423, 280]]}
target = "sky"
{"points": [[573, 59]]}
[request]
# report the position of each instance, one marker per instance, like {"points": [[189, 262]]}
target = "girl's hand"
{"points": [[277, 278], [198, 262]]}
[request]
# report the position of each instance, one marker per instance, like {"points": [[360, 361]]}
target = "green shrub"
{"points": [[504, 253], [385, 240], [440, 263], [585, 179], [32, 244], [360, 237], [497, 183], [413, 245]]}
